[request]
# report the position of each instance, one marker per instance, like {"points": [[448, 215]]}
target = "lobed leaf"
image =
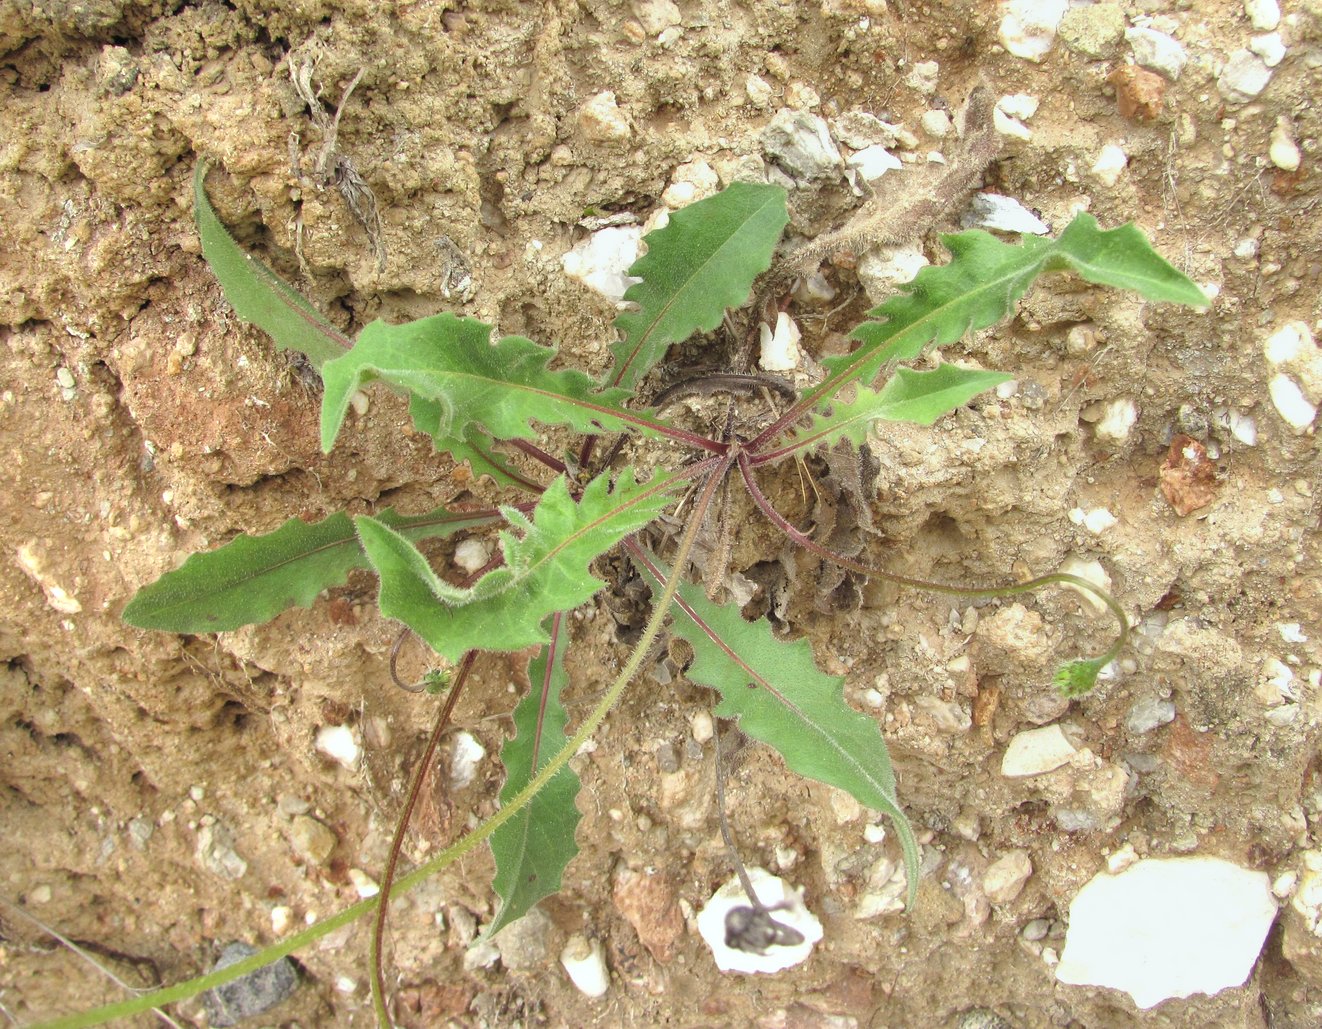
{"points": [[450, 362], [545, 570], [533, 848], [257, 294], [252, 579], [703, 262], [908, 396], [780, 697]]}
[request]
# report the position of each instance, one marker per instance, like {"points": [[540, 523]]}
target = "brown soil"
{"points": [[151, 783]]}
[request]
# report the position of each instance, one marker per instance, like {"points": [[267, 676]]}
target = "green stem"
{"points": [[192, 987]]}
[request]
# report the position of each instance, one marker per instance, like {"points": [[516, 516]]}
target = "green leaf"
{"points": [[451, 362], [257, 294], [478, 451], [985, 278], [252, 579], [533, 848], [780, 697], [545, 570], [909, 396], [703, 262]]}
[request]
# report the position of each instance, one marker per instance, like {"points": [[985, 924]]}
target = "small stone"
{"points": [[787, 908], [339, 743], [1263, 15], [312, 841], [880, 270], [1098, 520], [601, 121], [1004, 880], [1270, 47], [873, 162], [801, 144], [1089, 571], [656, 16], [1093, 30], [251, 994], [363, 884], [649, 904], [936, 123], [859, 130], [1149, 713], [1243, 78], [701, 726], [33, 561], [1138, 92], [64, 378], [1111, 161], [1028, 27], [465, 759], [1187, 477], [780, 348], [525, 944], [1036, 752], [1168, 928], [1002, 214], [585, 962], [1290, 402], [1035, 930], [922, 77], [694, 180], [601, 260], [472, 555], [1157, 52], [1282, 150], [1115, 419], [759, 91], [215, 849], [1010, 127]]}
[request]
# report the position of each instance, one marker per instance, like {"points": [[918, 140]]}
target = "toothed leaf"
{"points": [[533, 848], [252, 579], [257, 294], [703, 262], [451, 362], [780, 697], [545, 570]]}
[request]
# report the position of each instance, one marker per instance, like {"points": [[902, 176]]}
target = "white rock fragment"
{"points": [[1088, 571], [1292, 632], [1096, 520], [1275, 683], [585, 962], [1282, 149], [1157, 52], [468, 754], [1149, 713], [1009, 126], [363, 884], [1244, 77], [801, 144], [1002, 214], [602, 121], [33, 563], [1168, 928], [601, 260], [1004, 880], [1263, 15], [1116, 419], [884, 891], [881, 269], [1028, 27], [873, 162], [472, 555], [1242, 426], [1308, 896], [772, 892], [340, 744], [693, 180], [780, 348], [936, 123], [759, 91], [1291, 349], [1290, 402], [922, 78], [1269, 47], [656, 16], [1036, 752], [1111, 161], [702, 727], [859, 129]]}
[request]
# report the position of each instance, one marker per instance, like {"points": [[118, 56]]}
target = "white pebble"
{"points": [[700, 724], [881, 269], [468, 754], [873, 162], [602, 121], [339, 744], [694, 180], [780, 349], [1109, 164], [772, 892], [359, 401], [1263, 15], [1004, 880], [282, 917], [585, 962], [1028, 27], [1292, 632], [1089, 571], [64, 377], [1121, 859], [364, 885], [1098, 520], [1167, 929], [1157, 52], [1290, 402], [1003, 214], [1282, 150], [936, 123], [1269, 47], [1037, 751], [471, 554], [601, 260], [1117, 419], [1244, 77], [874, 833], [1011, 127], [1018, 105], [759, 91]]}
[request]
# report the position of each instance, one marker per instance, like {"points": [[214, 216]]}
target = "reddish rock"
{"points": [[649, 904], [1188, 476], [1138, 92]]}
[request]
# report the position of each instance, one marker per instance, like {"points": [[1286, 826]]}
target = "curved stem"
{"points": [[401, 827], [1055, 578]]}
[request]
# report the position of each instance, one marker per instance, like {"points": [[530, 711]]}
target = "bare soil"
{"points": [[151, 784]]}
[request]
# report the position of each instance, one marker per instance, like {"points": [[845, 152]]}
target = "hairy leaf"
{"points": [[780, 697], [545, 570], [908, 396], [478, 450], [703, 262], [252, 579], [533, 848], [257, 293], [984, 279], [451, 362]]}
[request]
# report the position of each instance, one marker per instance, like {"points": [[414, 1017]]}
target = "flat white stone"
{"points": [[338, 743], [773, 892], [780, 346], [585, 962], [881, 269], [1290, 402], [1037, 751], [1168, 928], [1157, 52], [1005, 878], [468, 754], [1003, 214], [600, 261], [1117, 419], [1282, 149], [1270, 47], [1244, 77], [873, 162], [1028, 27], [1263, 15], [1111, 161]]}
